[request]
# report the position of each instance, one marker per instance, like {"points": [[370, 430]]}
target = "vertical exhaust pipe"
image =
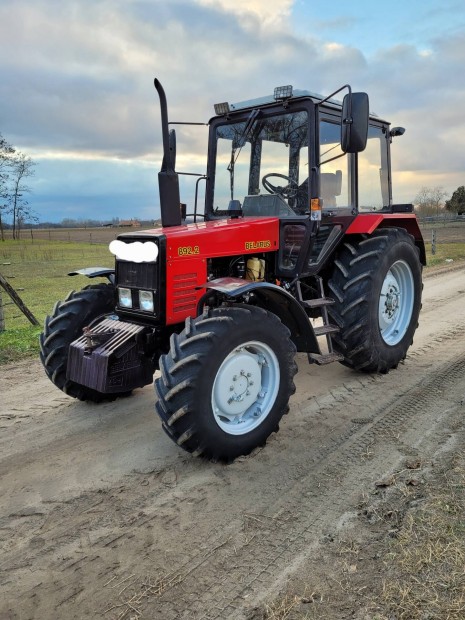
{"points": [[168, 180]]}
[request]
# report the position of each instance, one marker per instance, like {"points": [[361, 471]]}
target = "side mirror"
{"points": [[354, 122]]}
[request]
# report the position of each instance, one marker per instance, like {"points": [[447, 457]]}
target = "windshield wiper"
{"points": [[241, 141]]}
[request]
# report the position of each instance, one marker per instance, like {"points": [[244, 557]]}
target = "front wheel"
{"points": [[376, 284], [226, 382]]}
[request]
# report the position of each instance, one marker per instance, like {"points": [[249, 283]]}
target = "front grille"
{"points": [[184, 293], [138, 275]]}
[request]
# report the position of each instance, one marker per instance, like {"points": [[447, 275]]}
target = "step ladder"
{"points": [[326, 329]]}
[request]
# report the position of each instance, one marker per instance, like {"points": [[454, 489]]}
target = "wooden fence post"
{"points": [[2, 315], [18, 301]]}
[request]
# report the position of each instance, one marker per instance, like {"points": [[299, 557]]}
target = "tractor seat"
{"points": [[330, 187]]}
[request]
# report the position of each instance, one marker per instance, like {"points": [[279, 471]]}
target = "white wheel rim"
{"points": [[245, 388], [396, 303]]}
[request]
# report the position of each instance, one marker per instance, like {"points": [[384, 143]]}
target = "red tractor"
{"points": [[299, 248]]}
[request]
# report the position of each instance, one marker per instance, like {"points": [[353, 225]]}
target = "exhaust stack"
{"points": [[168, 180]]}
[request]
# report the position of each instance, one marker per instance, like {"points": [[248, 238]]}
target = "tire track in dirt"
{"points": [[238, 562], [209, 541], [297, 521]]}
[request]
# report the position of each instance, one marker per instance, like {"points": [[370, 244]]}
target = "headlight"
{"points": [[146, 301], [125, 297]]}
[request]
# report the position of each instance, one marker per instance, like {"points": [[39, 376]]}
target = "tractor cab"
{"points": [[313, 162], [297, 154]]}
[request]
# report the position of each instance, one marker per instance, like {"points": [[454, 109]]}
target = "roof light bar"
{"points": [[283, 92], [222, 108]]}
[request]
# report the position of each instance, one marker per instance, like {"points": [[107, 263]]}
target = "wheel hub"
{"points": [[241, 376], [391, 296], [245, 387], [396, 303]]}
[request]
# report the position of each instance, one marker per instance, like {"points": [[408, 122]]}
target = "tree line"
{"points": [[432, 201], [15, 168]]}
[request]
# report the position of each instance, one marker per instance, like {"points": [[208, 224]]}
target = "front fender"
{"points": [[276, 300], [95, 272]]}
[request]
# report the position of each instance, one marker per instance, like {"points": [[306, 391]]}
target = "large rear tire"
{"points": [[226, 382], [377, 286], [65, 325]]}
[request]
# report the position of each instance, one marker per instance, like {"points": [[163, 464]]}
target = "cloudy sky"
{"points": [[76, 85]]}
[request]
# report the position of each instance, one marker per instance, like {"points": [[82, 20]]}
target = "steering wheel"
{"points": [[287, 191]]}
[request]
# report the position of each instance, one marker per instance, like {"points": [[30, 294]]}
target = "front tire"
{"points": [[226, 382], [65, 324], [376, 284]]}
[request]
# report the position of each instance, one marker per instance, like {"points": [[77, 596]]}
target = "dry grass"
{"points": [[133, 593], [284, 608], [426, 565], [406, 561]]}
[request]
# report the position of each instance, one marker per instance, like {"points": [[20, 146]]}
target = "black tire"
{"points": [[383, 267], [65, 325], [203, 368]]}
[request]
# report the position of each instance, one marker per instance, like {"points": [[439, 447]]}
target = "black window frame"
{"points": [[298, 105]]}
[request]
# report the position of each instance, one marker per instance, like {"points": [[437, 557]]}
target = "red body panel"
{"points": [[188, 248], [369, 222]]}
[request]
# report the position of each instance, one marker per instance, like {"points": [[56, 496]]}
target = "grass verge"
{"points": [[404, 560], [426, 576], [20, 343], [38, 272]]}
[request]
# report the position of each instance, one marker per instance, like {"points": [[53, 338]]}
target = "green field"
{"points": [[37, 268], [38, 272]]}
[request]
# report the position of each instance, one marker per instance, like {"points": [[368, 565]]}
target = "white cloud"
{"points": [[78, 89], [267, 13]]}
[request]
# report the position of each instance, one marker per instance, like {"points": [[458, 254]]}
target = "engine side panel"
{"points": [[189, 247]]}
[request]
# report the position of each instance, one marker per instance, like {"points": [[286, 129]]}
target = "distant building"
{"points": [[129, 223]]}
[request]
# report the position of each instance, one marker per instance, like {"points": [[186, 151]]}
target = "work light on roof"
{"points": [[283, 92], [222, 108]]}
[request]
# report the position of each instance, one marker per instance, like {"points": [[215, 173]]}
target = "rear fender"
{"points": [[274, 299], [367, 223], [95, 272]]}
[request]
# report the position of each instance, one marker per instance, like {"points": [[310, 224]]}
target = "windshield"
{"points": [[262, 165]]}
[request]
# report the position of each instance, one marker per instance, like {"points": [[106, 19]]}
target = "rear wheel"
{"points": [[226, 382], [65, 325], [377, 287]]}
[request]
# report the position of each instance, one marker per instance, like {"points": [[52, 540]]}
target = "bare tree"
{"points": [[21, 169], [430, 200], [6, 157]]}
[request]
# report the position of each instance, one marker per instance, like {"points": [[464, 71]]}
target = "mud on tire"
{"points": [[226, 382], [65, 325], [376, 283]]}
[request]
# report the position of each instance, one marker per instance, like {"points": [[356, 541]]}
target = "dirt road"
{"points": [[103, 517]]}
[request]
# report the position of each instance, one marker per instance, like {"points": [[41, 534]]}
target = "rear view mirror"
{"points": [[354, 122]]}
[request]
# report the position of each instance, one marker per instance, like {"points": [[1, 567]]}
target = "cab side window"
{"points": [[334, 175], [373, 185]]}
